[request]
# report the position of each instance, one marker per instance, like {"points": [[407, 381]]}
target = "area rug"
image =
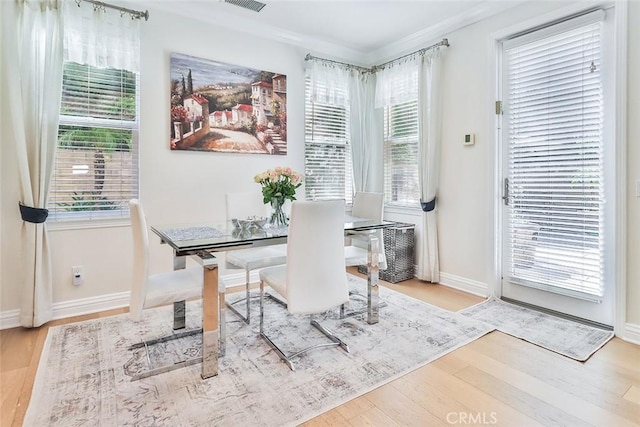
{"points": [[572, 339], [81, 379]]}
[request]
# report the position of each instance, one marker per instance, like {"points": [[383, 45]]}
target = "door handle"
{"points": [[505, 191]]}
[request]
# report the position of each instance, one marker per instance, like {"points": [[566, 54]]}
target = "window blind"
{"points": [[328, 170], [96, 165], [555, 162], [401, 154]]}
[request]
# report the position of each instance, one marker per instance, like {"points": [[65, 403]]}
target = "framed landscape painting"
{"points": [[226, 108]]}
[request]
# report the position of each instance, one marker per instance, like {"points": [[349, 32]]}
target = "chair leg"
{"points": [[329, 334], [153, 370], [230, 305], [288, 359], [165, 339], [265, 337], [247, 318], [179, 310], [222, 341], [261, 305], [248, 295], [343, 312]]}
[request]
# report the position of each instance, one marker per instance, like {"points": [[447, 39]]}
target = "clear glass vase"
{"points": [[278, 217]]}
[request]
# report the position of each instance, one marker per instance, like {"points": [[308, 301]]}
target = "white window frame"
{"points": [[389, 141], [337, 141], [102, 218]]}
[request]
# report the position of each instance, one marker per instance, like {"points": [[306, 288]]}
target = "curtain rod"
{"points": [[344, 64], [443, 42], [135, 14]]}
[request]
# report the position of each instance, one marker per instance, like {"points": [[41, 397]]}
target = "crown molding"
{"points": [[257, 28], [421, 38], [321, 47]]}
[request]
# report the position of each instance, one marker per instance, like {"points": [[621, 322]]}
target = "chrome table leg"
{"points": [[179, 262], [373, 300], [179, 307], [179, 315], [212, 296]]}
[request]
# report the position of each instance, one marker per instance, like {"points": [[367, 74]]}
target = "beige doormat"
{"points": [[81, 379], [572, 339]]}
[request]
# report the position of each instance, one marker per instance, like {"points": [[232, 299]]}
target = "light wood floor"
{"points": [[496, 380]]}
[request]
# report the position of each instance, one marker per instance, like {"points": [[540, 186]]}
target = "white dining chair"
{"points": [[314, 278], [369, 206], [242, 205], [147, 291], [157, 289]]}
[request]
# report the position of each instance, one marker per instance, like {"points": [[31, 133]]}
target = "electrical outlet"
{"points": [[77, 275]]}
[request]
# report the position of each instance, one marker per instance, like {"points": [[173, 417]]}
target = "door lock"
{"points": [[505, 192]]}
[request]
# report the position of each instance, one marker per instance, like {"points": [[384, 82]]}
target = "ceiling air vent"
{"points": [[256, 6]]}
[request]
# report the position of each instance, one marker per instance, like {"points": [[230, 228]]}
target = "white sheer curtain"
{"points": [[429, 110], [101, 39], [366, 143], [365, 122], [396, 82], [32, 44], [328, 82], [366, 135]]}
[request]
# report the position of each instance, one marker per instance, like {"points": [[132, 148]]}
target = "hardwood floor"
{"points": [[495, 380]]}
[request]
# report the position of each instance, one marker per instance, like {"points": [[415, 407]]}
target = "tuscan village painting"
{"points": [[227, 108]]}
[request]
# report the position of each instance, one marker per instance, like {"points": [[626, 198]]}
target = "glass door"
{"points": [[556, 214]]}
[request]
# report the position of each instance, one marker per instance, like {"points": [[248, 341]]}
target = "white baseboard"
{"points": [[237, 279], [9, 319], [90, 305], [463, 284], [79, 307], [631, 333], [61, 310]]}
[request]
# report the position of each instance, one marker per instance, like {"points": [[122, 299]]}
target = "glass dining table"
{"points": [[201, 241]]}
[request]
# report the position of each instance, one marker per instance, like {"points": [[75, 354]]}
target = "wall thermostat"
{"points": [[469, 139]]}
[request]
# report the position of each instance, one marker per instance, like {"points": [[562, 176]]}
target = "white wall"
{"points": [[3, 122], [467, 193], [466, 197], [189, 186], [174, 186], [633, 166]]}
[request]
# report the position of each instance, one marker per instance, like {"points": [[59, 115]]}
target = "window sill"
{"points": [[404, 210], [85, 224]]}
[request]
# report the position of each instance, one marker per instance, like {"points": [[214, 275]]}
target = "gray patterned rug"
{"points": [[571, 339], [85, 369]]}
